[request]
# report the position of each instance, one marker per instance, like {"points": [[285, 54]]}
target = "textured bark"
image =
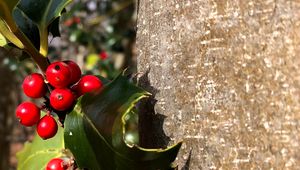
{"points": [[226, 78]]}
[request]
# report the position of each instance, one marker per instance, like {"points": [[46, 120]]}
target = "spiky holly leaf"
{"points": [[95, 131], [35, 19], [43, 13]]}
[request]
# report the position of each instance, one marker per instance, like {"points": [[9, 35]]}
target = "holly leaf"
{"points": [[27, 27], [35, 19], [7, 7], [53, 28], [7, 23], [98, 131], [43, 13], [3, 41], [36, 155]]}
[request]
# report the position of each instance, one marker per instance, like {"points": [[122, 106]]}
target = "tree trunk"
{"points": [[226, 80]]}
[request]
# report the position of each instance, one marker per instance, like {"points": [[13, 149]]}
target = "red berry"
{"points": [[46, 127], [61, 99], [56, 164], [28, 113], [34, 85], [75, 71], [58, 74], [103, 55], [86, 84]]}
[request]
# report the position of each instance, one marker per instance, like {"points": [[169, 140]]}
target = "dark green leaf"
{"points": [[35, 19], [27, 27], [54, 28], [96, 130], [43, 13], [86, 144]]}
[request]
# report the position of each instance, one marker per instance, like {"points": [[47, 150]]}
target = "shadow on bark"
{"points": [[150, 123], [187, 163]]}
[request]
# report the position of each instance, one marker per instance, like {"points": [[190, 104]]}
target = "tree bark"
{"points": [[226, 80]]}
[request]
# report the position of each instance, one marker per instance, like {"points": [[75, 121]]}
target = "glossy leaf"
{"points": [[27, 27], [7, 23], [36, 155], [95, 131], [43, 13], [3, 41], [53, 28]]}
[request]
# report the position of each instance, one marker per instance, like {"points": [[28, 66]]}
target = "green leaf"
{"points": [[96, 130], [54, 28], [35, 23], [3, 41], [7, 23], [36, 155], [27, 27], [43, 13], [6, 9]]}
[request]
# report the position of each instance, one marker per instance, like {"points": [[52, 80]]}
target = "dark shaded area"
{"points": [[150, 123]]}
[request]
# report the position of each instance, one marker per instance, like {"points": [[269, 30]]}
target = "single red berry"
{"points": [[34, 85], [28, 113], [75, 71], [46, 127], [103, 55], [61, 99], [56, 164], [86, 84], [58, 74]]}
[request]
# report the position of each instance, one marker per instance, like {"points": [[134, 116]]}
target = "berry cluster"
{"points": [[63, 85]]}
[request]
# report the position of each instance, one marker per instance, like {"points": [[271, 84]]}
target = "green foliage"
{"points": [[95, 131], [42, 14], [26, 23], [36, 155], [7, 24], [3, 41]]}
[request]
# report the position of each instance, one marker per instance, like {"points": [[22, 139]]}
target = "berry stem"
{"points": [[48, 113]]}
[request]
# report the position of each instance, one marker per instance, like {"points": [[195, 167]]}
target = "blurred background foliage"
{"points": [[97, 34]]}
